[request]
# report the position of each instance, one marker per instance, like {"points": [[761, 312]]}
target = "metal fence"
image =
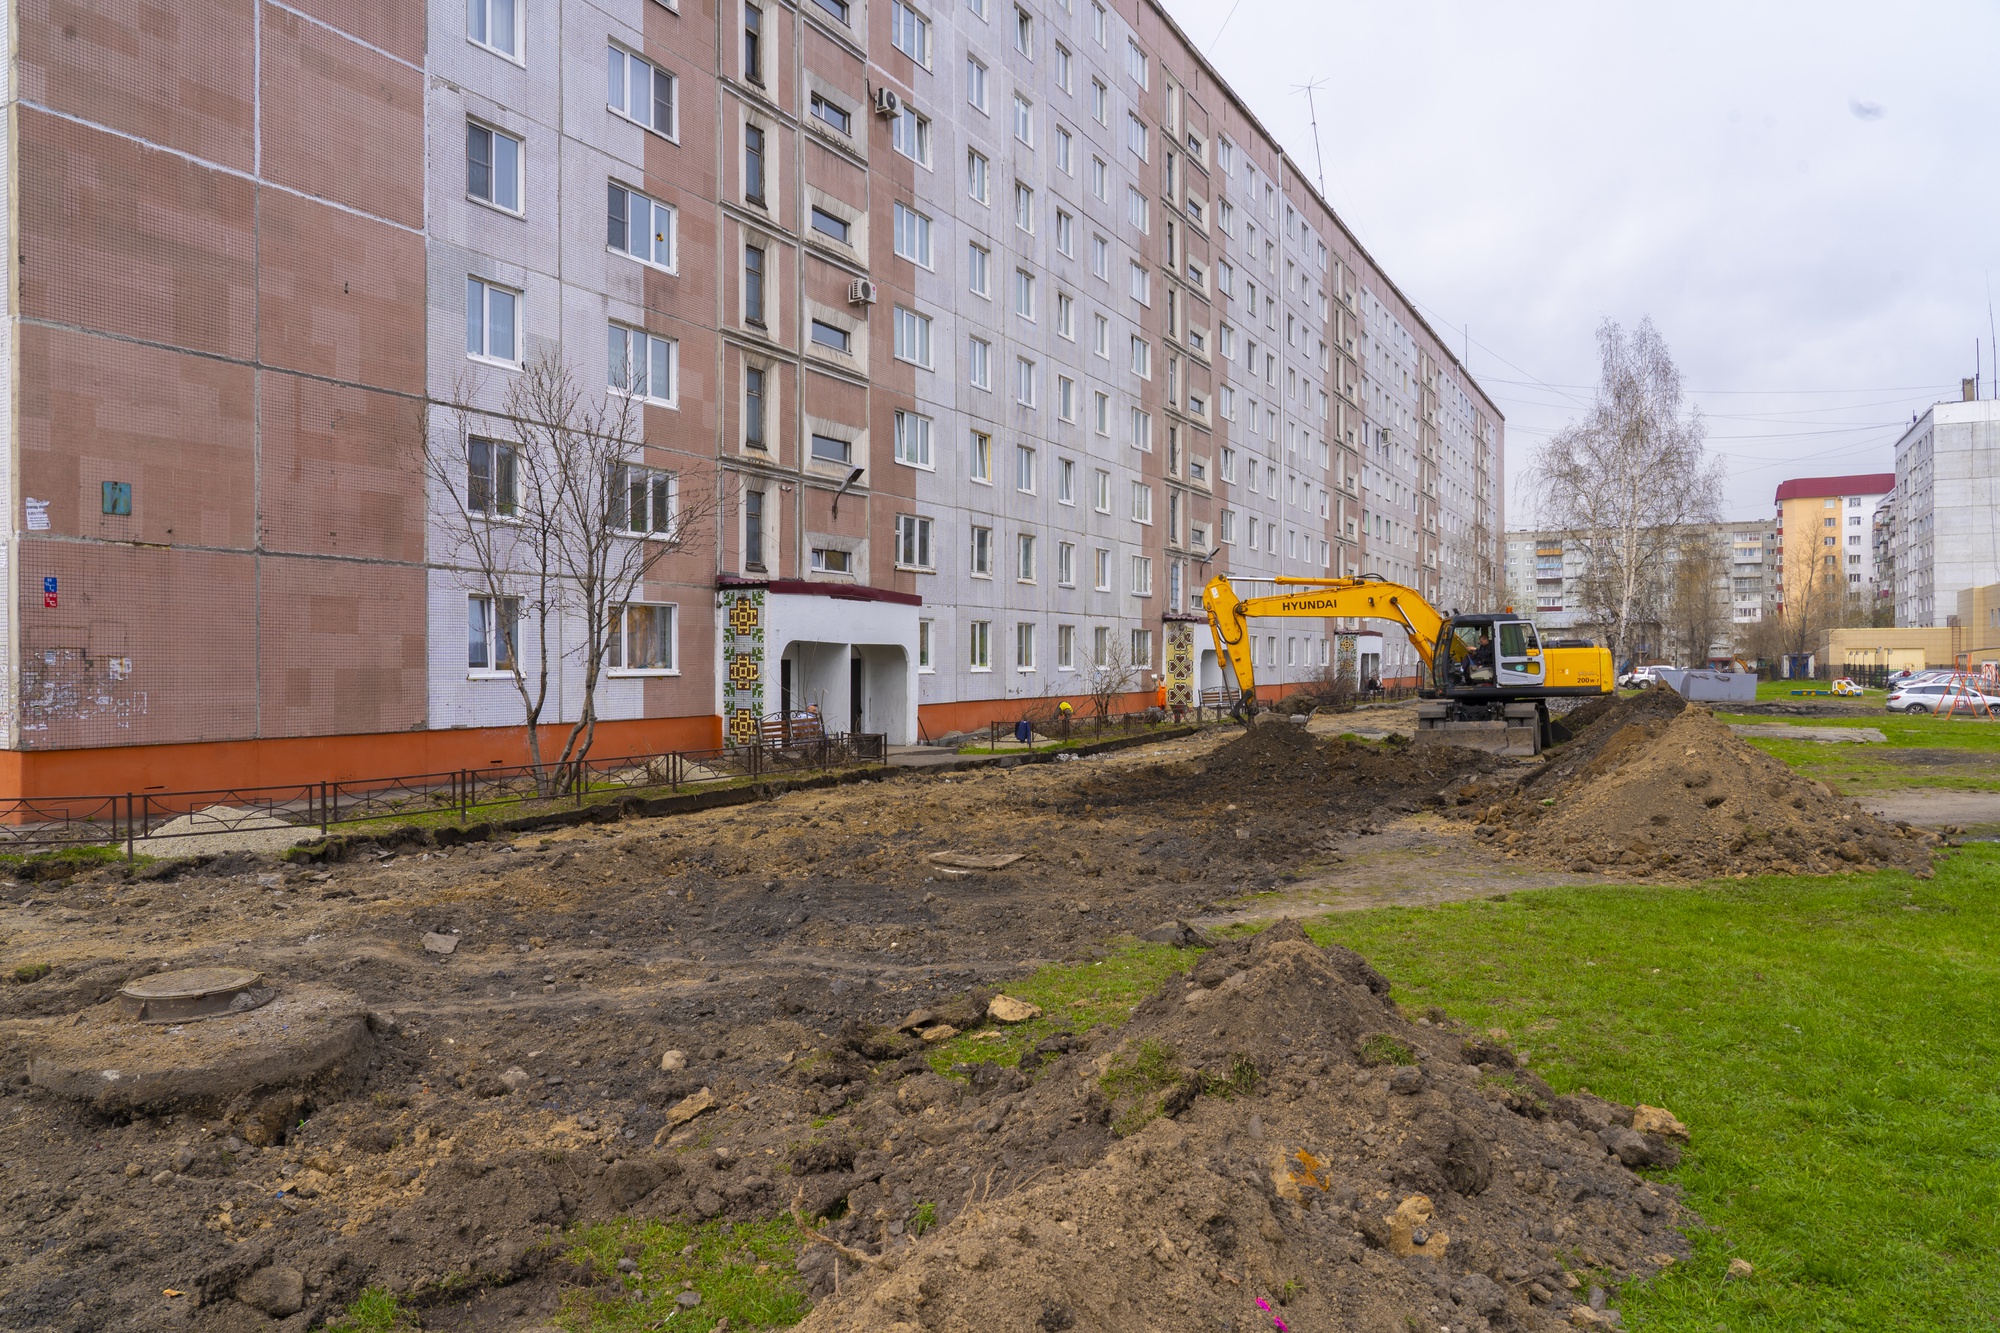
{"points": [[163, 818]]}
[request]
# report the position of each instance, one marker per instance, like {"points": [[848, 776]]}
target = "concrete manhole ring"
{"points": [[195, 992]]}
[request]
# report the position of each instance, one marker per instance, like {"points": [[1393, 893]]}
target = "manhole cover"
{"points": [[197, 992]]}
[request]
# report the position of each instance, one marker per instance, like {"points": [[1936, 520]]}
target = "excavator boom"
{"points": [[1229, 616]]}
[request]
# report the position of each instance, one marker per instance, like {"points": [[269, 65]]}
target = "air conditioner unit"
{"points": [[887, 102], [861, 292], [1382, 435]]}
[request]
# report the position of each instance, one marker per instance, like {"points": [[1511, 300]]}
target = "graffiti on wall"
{"points": [[742, 663]]}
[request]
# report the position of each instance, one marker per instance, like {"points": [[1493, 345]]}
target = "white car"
{"points": [[1639, 678], [1932, 696]]}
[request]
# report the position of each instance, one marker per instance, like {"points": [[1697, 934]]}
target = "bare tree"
{"points": [[1696, 610], [1630, 478], [1105, 681], [545, 510]]}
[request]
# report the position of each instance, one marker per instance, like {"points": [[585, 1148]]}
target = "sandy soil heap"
{"points": [[1653, 786], [1266, 1128]]}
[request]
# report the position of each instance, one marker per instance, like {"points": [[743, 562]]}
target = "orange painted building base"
{"points": [[281, 761], [977, 714]]}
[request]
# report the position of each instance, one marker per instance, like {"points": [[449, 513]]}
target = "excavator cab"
{"points": [[1486, 656]]}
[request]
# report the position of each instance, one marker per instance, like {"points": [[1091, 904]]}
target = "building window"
{"points": [[495, 25], [1142, 502], [1136, 211], [832, 337], [1103, 572], [1101, 491], [1024, 32], [913, 337], [640, 227], [492, 626], [913, 439], [1100, 102], [1024, 120], [642, 638], [1228, 465], [1142, 648], [1100, 646], [1024, 558], [978, 269], [1100, 180], [924, 646], [753, 284], [913, 235], [753, 530], [1024, 469], [978, 176], [910, 33], [641, 91], [837, 9], [1135, 62], [831, 560], [1065, 152], [643, 500], [642, 364], [1066, 481], [493, 167], [490, 478], [753, 164], [1065, 69], [1024, 646], [492, 322], [1065, 398], [1135, 136], [979, 363], [831, 227], [1024, 207], [1065, 233], [1142, 430], [1142, 284], [1024, 294], [1101, 413], [1065, 315], [753, 44], [1066, 564], [1024, 381], [1100, 258], [979, 645], [1142, 357], [1226, 527], [1065, 647], [975, 83], [913, 542], [833, 115], [982, 552], [982, 457], [911, 136], [832, 449]]}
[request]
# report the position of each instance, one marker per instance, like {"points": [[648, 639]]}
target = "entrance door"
{"points": [[1520, 654], [857, 680], [785, 688]]}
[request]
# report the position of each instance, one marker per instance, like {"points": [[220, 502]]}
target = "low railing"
{"points": [[158, 820]]}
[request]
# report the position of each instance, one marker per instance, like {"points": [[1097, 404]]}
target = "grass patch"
{"points": [[924, 1218], [1829, 1041], [1138, 1078], [1845, 767], [1074, 997], [747, 1275], [31, 972], [375, 1310], [1382, 1049]]}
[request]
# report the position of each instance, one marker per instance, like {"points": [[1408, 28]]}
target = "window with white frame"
{"points": [[1024, 557], [1102, 576], [913, 439], [978, 269], [978, 176], [981, 557], [1142, 582], [1024, 32], [1226, 527], [1225, 402], [1100, 180], [642, 364], [1024, 293], [640, 227], [495, 25], [1065, 398], [979, 363], [831, 225], [1065, 315], [1024, 207], [1065, 647], [643, 638], [1142, 502], [1226, 460], [1066, 481], [975, 82], [979, 645], [982, 457], [1024, 120], [1066, 564], [643, 501], [1136, 211], [1024, 381], [1135, 62], [832, 560], [1100, 646], [924, 633], [1065, 233], [910, 32], [1100, 257], [492, 322], [493, 166], [1100, 102], [1024, 646], [913, 337], [832, 449], [913, 235], [910, 135], [1065, 69], [832, 337], [492, 630], [1065, 152], [1097, 31], [1142, 284], [839, 10], [1142, 648], [1100, 412], [640, 90], [1142, 357], [913, 542], [831, 114], [491, 471], [1101, 491], [1100, 335], [1024, 469], [1135, 135]]}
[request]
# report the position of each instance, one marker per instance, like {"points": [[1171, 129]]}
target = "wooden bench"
{"points": [[797, 730]]}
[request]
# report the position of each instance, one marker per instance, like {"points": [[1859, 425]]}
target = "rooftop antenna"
{"points": [[1995, 336], [1313, 115]]}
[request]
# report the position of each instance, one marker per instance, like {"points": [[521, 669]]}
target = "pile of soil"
{"points": [[1266, 1128], [1653, 786]]}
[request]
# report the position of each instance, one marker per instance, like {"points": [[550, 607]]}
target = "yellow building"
{"points": [[1828, 520]]}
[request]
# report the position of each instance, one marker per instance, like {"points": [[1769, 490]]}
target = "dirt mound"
{"points": [[1266, 1129], [1654, 786]]}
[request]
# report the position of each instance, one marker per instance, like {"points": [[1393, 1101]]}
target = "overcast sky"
{"points": [[1801, 196]]}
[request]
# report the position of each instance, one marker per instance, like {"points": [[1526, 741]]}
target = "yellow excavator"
{"points": [[1487, 677]]}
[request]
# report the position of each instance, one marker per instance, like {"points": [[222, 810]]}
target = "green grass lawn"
{"points": [[1831, 1043], [1854, 768]]}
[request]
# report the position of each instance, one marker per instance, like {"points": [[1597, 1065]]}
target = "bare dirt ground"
{"points": [[514, 1076]]}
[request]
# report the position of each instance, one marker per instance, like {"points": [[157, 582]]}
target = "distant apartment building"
{"points": [[1827, 524], [995, 327], [1944, 527]]}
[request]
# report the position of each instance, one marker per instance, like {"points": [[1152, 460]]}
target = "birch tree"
{"points": [[545, 509], [1697, 611], [1631, 477]]}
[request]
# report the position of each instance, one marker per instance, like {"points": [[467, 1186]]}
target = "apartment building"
{"points": [[1941, 527], [1827, 524], [992, 329]]}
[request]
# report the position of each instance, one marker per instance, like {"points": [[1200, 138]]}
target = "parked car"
{"points": [[1931, 696], [1639, 678]]}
